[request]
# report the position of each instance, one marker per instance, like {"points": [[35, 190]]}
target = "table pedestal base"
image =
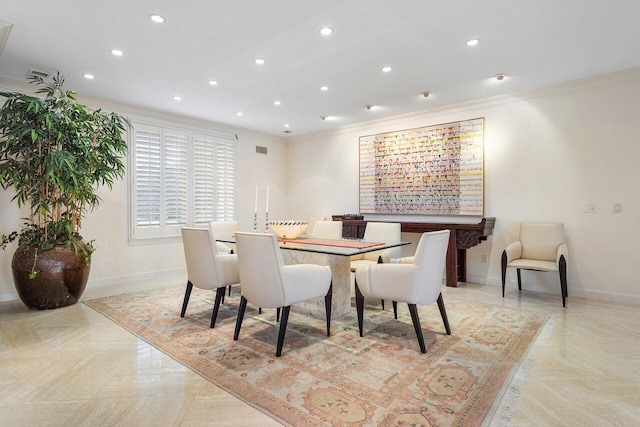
{"points": [[340, 279]]}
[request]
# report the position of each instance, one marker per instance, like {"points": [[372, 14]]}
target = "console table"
{"points": [[463, 236]]}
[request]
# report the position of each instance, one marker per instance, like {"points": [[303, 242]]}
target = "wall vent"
{"points": [[261, 150]]}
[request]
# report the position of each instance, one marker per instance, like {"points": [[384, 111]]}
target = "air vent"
{"points": [[286, 131], [261, 150], [38, 73]]}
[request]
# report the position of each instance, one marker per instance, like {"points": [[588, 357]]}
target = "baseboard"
{"points": [[93, 285]]}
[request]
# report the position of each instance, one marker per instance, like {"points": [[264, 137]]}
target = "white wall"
{"points": [[547, 153], [116, 260]]}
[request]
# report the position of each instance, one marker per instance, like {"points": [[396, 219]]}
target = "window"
{"points": [[180, 178]]}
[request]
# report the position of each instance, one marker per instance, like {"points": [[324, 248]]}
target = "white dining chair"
{"points": [[327, 230], [413, 280], [224, 229], [206, 267], [268, 283]]}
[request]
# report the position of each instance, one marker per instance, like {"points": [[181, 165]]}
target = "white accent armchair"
{"points": [[541, 247], [267, 282], [413, 280], [206, 267]]}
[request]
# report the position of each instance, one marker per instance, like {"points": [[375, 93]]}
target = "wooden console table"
{"points": [[463, 236]]}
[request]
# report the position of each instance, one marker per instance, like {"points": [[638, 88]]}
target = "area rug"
{"points": [[341, 380]]}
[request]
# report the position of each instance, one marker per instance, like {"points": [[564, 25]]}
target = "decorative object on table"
{"points": [[433, 170], [288, 229], [380, 379], [541, 247], [55, 152]]}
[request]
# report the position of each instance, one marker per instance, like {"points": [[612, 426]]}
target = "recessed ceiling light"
{"points": [[500, 76], [472, 42], [368, 107], [177, 98], [426, 94], [277, 103], [117, 52], [159, 19], [213, 82], [326, 31], [286, 125], [240, 114], [386, 69], [259, 61], [89, 76], [324, 88], [325, 117]]}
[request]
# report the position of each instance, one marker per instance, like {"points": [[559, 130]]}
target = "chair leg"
{"points": [[283, 328], [563, 279], [519, 279], [259, 310], [382, 301], [216, 306], [395, 309], [278, 314], [243, 306], [381, 262], [327, 308], [416, 324], [187, 294], [443, 313], [229, 290], [359, 307], [504, 270]]}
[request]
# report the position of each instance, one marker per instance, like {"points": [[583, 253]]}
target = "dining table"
{"points": [[335, 253]]}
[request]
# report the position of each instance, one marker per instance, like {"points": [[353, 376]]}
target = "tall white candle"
{"points": [[267, 208], [255, 209]]}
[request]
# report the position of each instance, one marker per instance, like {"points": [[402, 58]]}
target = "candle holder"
{"points": [[255, 222], [266, 222]]}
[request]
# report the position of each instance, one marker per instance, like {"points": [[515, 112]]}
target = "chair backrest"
{"points": [[382, 232], [223, 228], [312, 222], [199, 253], [431, 255], [328, 230], [259, 263], [540, 241]]}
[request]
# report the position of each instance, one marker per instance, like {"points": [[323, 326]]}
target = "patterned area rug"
{"points": [[342, 380]]}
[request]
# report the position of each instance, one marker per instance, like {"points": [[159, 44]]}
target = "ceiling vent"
{"points": [[261, 150], [5, 29], [39, 73]]}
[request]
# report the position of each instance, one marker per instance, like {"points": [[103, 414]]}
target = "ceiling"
{"points": [[536, 43]]}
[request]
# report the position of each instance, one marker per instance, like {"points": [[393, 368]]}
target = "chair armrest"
{"points": [[563, 250], [403, 260], [513, 251]]}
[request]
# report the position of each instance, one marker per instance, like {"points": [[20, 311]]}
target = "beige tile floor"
{"points": [[73, 366]]}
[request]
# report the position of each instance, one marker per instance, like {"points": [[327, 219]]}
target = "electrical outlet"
{"points": [[484, 259], [590, 208]]}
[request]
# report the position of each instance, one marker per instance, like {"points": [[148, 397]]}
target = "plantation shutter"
{"points": [[225, 181], [175, 181], [204, 178], [147, 183]]}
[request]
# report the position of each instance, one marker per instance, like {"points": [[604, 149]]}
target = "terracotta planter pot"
{"points": [[61, 279]]}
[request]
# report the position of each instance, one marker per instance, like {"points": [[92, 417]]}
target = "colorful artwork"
{"points": [[434, 170]]}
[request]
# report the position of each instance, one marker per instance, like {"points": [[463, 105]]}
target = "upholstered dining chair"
{"points": [[327, 230], [312, 223], [379, 232], [206, 267], [413, 280], [224, 229], [541, 247], [267, 282]]}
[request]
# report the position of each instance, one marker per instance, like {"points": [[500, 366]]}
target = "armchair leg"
{"points": [[229, 290], [504, 270], [382, 302], [395, 309], [443, 313], [187, 294], [563, 279], [327, 308], [416, 324], [359, 307], [519, 279], [283, 328], [278, 314], [243, 306], [259, 310], [216, 306]]}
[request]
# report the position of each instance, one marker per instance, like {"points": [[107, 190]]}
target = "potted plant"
{"points": [[55, 153]]}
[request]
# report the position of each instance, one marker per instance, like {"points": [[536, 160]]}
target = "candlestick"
{"points": [[255, 209], [267, 208], [255, 222]]}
